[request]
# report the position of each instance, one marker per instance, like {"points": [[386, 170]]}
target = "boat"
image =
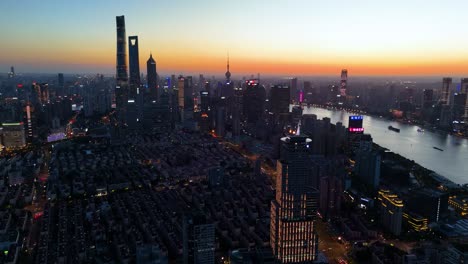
{"points": [[394, 129], [438, 148], [420, 130]]}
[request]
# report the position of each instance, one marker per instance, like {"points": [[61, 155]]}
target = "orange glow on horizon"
{"points": [[169, 60]]}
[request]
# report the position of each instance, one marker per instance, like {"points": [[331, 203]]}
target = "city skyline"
{"points": [[297, 38]]}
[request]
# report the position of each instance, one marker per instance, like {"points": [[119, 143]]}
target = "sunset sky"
{"points": [[290, 37]]}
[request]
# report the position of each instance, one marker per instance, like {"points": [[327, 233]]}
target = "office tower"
{"points": [[344, 82], [121, 89], [61, 80], [228, 73], [40, 93], [428, 203], [464, 90], [293, 90], [134, 63], [181, 92], [253, 101], [368, 168], [391, 211], [331, 189], [61, 85], [292, 233], [188, 93], [208, 87], [11, 73], [279, 99], [205, 109], [445, 92], [307, 92], [13, 135], [198, 239], [458, 106], [152, 77], [132, 117], [204, 101], [30, 119], [173, 82], [221, 117], [201, 83], [428, 98], [237, 111]]}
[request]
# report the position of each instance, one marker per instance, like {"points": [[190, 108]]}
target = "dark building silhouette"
{"points": [[432, 204], [152, 77], [344, 82], [279, 99], [253, 100], [134, 63], [121, 89], [292, 233], [445, 92], [293, 89], [428, 98], [61, 85]]}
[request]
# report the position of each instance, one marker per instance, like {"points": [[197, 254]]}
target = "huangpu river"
{"points": [[452, 163]]}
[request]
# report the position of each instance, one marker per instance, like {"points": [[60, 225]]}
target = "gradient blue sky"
{"points": [[274, 37]]}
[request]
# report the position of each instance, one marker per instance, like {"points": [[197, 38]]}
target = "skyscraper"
{"points": [[228, 73], [344, 82], [152, 76], [428, 97], [293, 89], [11, 74], [292, 235], [464, 90], [279, 98], [61, 85], [199, 239], [445, 93], [391, 211], [254, 101], [134, 63], [121, 89]]}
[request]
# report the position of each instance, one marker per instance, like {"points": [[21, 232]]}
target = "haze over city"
{"points": [[272, 37]]}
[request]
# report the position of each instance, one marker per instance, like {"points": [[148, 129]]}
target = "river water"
{"points": [[451, 163]]}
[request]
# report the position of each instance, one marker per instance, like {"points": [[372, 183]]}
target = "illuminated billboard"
{"points": [[355, 124]]}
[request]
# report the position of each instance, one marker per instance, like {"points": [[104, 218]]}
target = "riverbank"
{"points": [[410, 143], [425, 126], [424, 176]]}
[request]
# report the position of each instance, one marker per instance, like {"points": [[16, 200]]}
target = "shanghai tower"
{"points": [[122, 76]]}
